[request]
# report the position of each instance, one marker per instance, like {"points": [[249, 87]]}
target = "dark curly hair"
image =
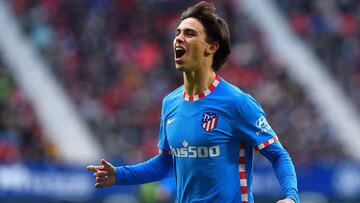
{"points": [[216, 29]]}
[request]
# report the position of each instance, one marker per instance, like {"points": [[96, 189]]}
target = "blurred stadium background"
{"points": [[83, 80]]}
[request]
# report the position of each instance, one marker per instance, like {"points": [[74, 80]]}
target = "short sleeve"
{"points": [[163, 144], [251, 125]]}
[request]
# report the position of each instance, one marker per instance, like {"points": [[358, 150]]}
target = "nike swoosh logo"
{"points": [[170, 120]]}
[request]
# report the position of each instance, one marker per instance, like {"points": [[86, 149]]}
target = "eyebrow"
{"points": [[186, 30]]}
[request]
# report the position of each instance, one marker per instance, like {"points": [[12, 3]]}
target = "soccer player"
{"points": [[209, 128]]}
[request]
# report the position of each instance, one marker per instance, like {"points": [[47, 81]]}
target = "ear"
{"points": [[212, 48]]}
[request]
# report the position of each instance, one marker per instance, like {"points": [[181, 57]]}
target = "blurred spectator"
{"points": [[331, 28], [116, 62], [21, 136]]}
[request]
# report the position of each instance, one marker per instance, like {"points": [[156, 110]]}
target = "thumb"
{"points": [[106, 164]]}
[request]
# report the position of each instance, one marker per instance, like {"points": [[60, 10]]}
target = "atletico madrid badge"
{"points": [[209, 121]]}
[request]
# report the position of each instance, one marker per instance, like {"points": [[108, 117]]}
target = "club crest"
{"points": [[209, 121]]}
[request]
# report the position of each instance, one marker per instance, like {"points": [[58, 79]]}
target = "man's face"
{"points": [[190, 45]]}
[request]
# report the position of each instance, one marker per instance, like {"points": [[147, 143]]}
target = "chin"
{"points": [[179, 66]]}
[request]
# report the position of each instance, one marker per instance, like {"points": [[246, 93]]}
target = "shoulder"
{"points": [[173, 97], [239, 99], [235, 93]]}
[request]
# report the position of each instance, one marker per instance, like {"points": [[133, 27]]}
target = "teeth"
{"points": [[179, 51], [179, 48]]}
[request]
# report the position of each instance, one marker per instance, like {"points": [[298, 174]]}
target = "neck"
{"points": [[198, 81]]}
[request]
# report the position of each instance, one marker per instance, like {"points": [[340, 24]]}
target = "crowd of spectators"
{"points": [[115, 60], [332, 29], [21, 135]]}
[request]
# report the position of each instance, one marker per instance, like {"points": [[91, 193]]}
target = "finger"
{"points": [[93, 168], [101, 174], [100, 184], [106, 164], [101, 179], [90, 167]]}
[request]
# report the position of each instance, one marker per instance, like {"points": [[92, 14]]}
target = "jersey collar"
{"points": [[203, 94]]}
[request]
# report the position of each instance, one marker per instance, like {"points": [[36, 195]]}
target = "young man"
{"points": [[209, 128]]}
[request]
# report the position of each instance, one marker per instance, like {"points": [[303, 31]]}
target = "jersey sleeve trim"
{"points": [[266, 143]]}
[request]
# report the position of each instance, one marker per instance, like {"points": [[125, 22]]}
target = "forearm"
{"points": [[284, 169], [157, 168]]}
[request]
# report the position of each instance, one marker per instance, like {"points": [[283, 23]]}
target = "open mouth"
{"points": [[179, 52]]}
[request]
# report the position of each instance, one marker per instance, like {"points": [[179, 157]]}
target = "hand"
{"points": [[105, 174], [287, 200]]}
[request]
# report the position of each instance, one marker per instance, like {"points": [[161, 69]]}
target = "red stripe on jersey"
{"points": [[266, 143], [191, 98], [242, 160], [242, 175], [211, 87], [217, 77], [202, 94], [244, 189]]}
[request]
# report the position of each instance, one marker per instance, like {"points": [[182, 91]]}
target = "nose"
{"points": [[179, 38]]}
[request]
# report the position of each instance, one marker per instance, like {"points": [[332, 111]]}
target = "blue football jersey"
{"points": [[212, 137]]}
